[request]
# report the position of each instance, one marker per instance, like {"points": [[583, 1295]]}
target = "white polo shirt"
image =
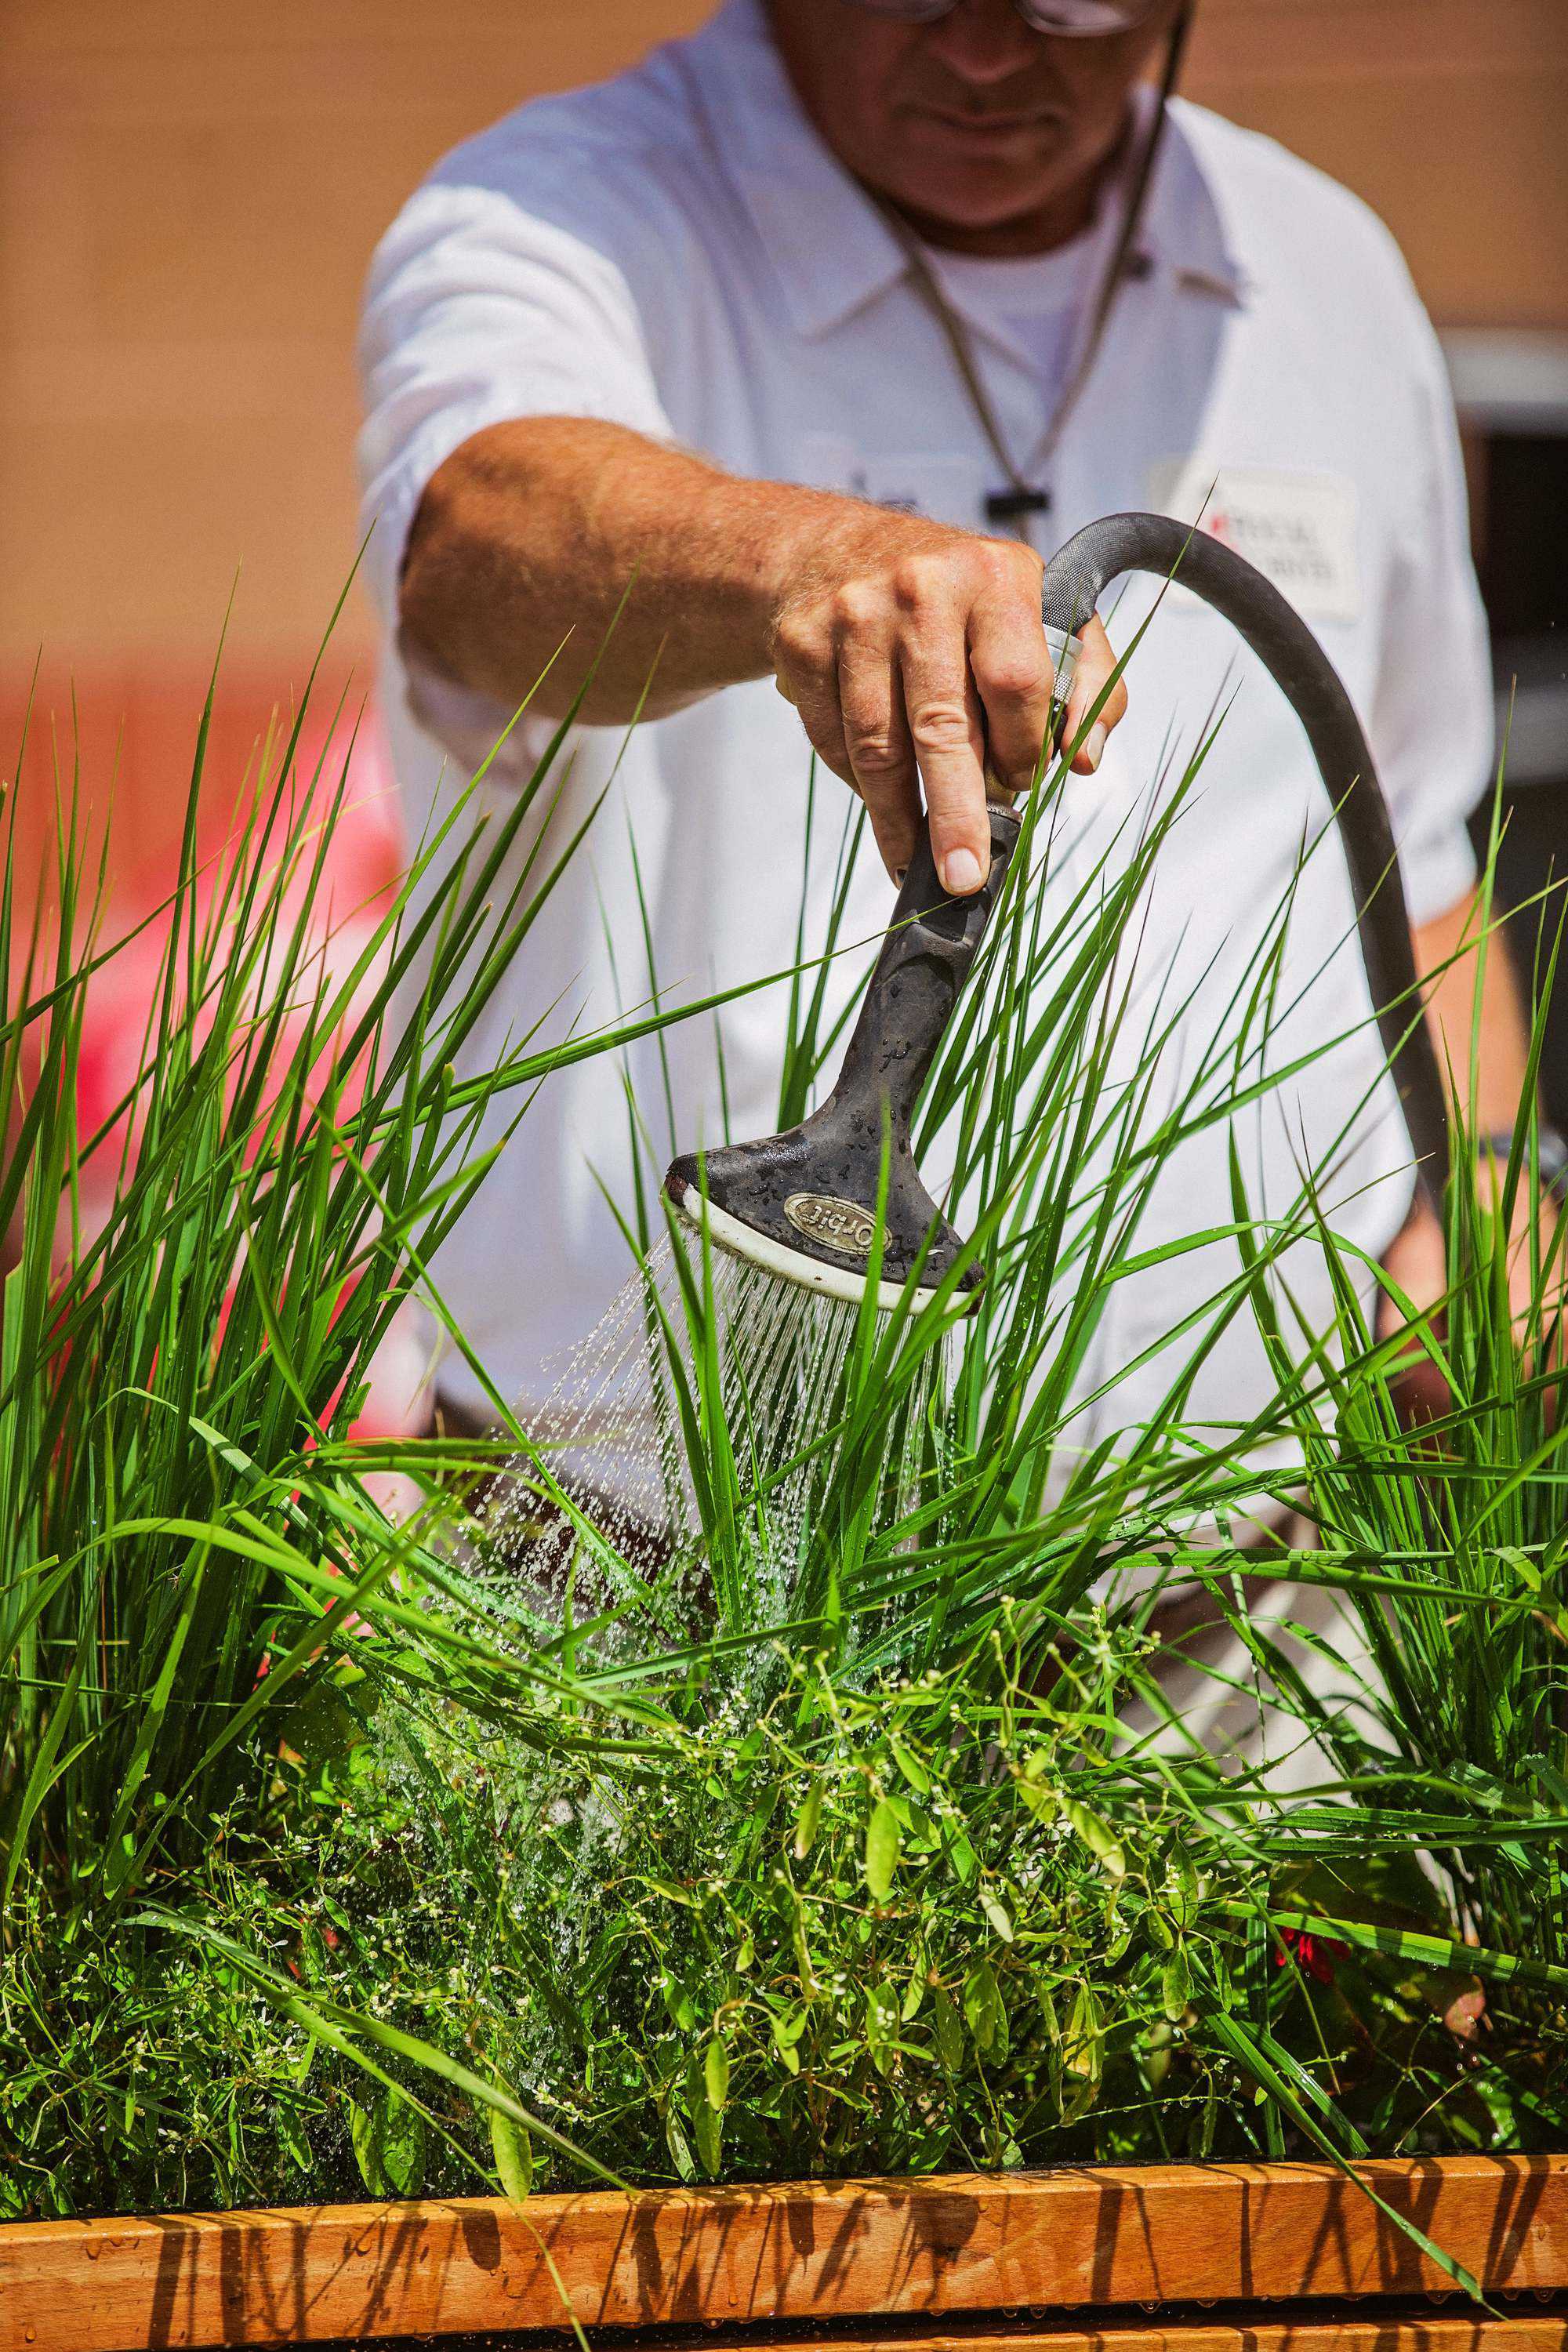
{"points": [[676, 251]]}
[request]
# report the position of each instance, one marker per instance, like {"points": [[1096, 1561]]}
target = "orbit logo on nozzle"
{"points": [[836, 1224]]}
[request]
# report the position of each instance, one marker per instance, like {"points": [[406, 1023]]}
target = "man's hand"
{"points": [[912, 651], [914, 654]]}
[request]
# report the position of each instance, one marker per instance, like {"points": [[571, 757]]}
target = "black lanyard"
{"points": [[1011, 508]]}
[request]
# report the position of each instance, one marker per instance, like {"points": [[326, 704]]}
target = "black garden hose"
{"points": [[1076, 579]]}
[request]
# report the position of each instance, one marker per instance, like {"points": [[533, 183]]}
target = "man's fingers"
{"points": [[1012, 669], [876, 738], [949, 739], [915, 671], [804, 673], [1096, 663]]}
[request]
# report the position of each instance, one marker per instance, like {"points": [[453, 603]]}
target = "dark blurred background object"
{"points": [[1512, 390]]}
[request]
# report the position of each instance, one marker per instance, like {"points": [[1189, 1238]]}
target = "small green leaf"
{"points": [[1182, 1888], [1098, 1835], [679, 2147], [803, 1951], [716, 2075], [513, 2153], [678, 2001], [787, 2030], [881, 2013], [883, 1841], [1084, 2053], [388, 2141], [708, 2131], [997, 1911], [1175, 1986], [806, 1821], [909, 1764], [1034, 1789], [960, 1854], [983, 2012], [949, 2031], [671, 1892]]}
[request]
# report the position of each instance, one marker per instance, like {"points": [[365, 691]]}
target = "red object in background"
{"points": [[123, 748], [128, 737], [1316, 1956]]}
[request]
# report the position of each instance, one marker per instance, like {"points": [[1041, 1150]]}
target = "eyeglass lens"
{"points": [[1074, 18]]}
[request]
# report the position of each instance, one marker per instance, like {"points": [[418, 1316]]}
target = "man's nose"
{"points": [[983, 41]]}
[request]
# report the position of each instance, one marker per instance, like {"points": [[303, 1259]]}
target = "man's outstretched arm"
{"points": [[912, 651]]}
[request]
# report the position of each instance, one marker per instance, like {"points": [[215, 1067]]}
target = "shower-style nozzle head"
{"points": [[802, 1205]]}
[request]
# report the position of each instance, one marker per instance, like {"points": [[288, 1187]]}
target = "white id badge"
{"points": [[1300, 529]]}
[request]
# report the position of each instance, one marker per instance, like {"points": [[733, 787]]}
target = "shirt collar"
{"points": [[832, 252], [1186, 227]]}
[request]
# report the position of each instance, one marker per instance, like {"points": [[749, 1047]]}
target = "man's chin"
{"points": [[964, 183], [972, 203]]}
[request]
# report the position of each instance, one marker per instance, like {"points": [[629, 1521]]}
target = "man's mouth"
{"points": [[972, 124]]}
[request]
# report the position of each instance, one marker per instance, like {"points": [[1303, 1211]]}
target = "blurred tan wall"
{"points": [[189, 194]]}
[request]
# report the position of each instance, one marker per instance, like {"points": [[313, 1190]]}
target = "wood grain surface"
{"points": [[1395, 2330], [1055, 2242]]}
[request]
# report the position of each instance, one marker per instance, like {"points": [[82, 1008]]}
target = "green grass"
{"points": [[831, 1847]]}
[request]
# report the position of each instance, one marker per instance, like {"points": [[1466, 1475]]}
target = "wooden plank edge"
{"points": [[1060, 2240], [1391, 2330]]}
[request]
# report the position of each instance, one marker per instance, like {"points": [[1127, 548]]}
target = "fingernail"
{"points": [[961, 873], [1094, 749]]}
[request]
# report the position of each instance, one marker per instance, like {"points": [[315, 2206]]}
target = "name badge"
{"points": [[1300, 529]]}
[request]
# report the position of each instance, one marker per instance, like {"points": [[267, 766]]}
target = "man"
{"points": [[806, 339]]}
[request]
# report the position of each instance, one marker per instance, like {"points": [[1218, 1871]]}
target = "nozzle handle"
{"points": [[925, 959]]}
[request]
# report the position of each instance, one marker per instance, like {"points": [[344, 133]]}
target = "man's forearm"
{"points": [[1491, 1082], [534, 531], [913, 653]]}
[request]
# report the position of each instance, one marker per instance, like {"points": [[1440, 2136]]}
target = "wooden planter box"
{"points": [[1175, 2258]]}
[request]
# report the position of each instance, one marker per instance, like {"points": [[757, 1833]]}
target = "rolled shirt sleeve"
{"points": [[479, 309], [1432, 721]]}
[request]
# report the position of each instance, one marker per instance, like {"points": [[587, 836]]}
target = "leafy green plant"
{"points": [[832, 1838], [1436, 1507], [191, 1549]]}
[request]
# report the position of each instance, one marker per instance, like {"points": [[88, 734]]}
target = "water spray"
{"points": [[805, 1205]]}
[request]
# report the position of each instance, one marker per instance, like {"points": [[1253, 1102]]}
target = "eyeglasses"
{"points": [[1074, 19]]}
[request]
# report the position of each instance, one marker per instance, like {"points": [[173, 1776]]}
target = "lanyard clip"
{"points": [[1008, 506]]}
